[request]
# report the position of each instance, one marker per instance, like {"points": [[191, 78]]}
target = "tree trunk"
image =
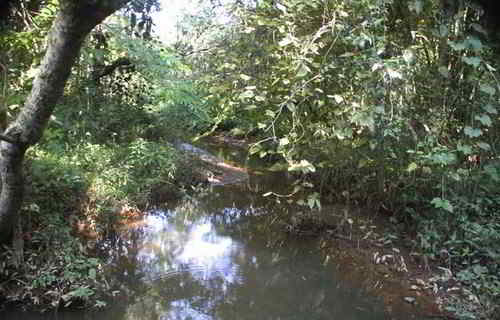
{"points": [[73, 23]]}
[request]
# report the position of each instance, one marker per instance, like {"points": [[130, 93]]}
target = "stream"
{"points": [[223, 255]]}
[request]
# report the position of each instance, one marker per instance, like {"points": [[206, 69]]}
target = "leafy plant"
{"points": [[391, 104]]}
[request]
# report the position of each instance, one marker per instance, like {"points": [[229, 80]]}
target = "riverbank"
{"points": [[366, 248], [370, 254], [169, 253], [76, 198], [382, 255]]}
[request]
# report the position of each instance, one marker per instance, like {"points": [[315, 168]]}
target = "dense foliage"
{"points": [[391, 105], [104, 155]]}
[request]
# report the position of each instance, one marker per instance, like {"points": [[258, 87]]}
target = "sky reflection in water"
{"points": [[217, 273], [210, 259]]}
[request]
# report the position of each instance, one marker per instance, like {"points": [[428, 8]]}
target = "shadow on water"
{"points": [[220, 255]]}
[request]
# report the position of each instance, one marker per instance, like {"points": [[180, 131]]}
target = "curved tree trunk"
{"points": [[11, 172], [73, 23]]}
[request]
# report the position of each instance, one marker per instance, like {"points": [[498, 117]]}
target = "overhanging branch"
{"points": [[107, 70], [8, 139]]}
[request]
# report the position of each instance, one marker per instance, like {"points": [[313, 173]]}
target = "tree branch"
{"points": [[189, 53], [107, 70], [8, 139]]}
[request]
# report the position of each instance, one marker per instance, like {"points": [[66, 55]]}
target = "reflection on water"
{"points": [[197, 249], [215, 257], [198, 266]]}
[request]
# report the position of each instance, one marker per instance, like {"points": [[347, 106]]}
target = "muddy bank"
{"points": [[367, 253]]}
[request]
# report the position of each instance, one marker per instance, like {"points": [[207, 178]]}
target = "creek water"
{"points": [[223, 255]]}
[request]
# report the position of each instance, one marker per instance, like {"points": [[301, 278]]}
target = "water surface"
{"points": [[222, 255]]}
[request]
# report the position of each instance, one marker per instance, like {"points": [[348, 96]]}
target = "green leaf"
{"points": [[442, 204], [412, 167], [348, 54], [247, 94], [285, 42], [303, 70], [475, 43], [465, 149], [484, 119], [237, 132], [487, 89], [304, 166], [457, 46], [483, 145], [490, 67], [284, 141], [472, 132], [92, 273], [490, 109], [492, 172], [245, 77], [255, 148], [443, 158], [270, 113], [472, 61], [278, 166], [313, 201]]}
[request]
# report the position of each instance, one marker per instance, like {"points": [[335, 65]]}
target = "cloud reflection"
{"points": [[195, 248]]}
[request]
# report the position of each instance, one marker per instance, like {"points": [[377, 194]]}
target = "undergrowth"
{"points": [[75, 196]]}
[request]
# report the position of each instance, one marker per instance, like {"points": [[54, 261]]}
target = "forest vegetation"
{"points": [[388, 105]]}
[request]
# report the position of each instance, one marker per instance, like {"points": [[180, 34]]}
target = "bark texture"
{"points": [[73, 23]]}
